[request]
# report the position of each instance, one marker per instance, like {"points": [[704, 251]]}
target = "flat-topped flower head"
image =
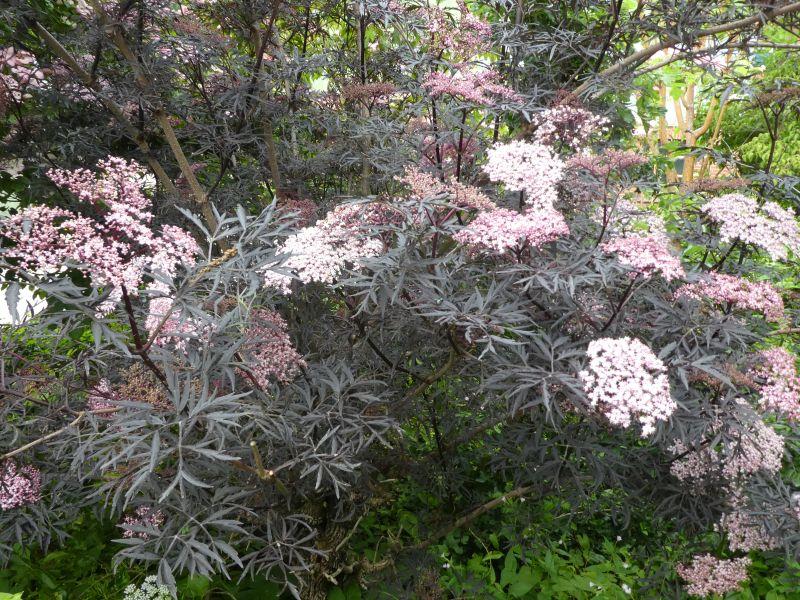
{"points": [[478, 87], [626, 382], [144, 516], [610, 161], [770, 226], [532, 168], [752, 448], [424, 186], [114, 244], [502, 230], [707, 575], [19, 486], [321, 252], [268, 349], [744, 533], [646, 254], [719, 288], [461, 32], [567, 125], [780, 390]]}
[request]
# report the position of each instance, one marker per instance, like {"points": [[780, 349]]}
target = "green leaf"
{"points": [[336, 594], [352, 591], [509, 572], [5, 596], [523, 583]]}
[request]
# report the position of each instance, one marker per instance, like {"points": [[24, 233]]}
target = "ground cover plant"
{"points": [[386, 298]]}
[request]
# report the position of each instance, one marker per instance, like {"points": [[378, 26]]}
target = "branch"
{"points": [[648, 51], [139, 347], [472, 515], [57, 432], [144, 83], [423, 385], [59, 50]]}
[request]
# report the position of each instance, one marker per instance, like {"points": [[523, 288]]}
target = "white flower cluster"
{"points": [[770, 226], [149, 590], [532, 168], [626, 381]]}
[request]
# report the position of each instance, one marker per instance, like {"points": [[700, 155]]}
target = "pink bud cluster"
{"points": [[164, 320], [770, 227], [744, 534], [424, 186], [19, 72], [321, 252], [625, 380], [532, 168], [780, 391], [757, 448], [707, 575], [372, 92], [303, 209], [608, 162], [761, 450], [116, 245], [568, 125], [479, 87], [760, 296], [19, 486], [101, 396], [144, 516], [268, 349], [646, 254], [501, 230]]}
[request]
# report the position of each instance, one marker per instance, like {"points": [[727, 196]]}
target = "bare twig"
{"points": [[57, 432]]}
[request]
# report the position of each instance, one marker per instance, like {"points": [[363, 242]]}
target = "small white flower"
{"points": [[626, 588]]}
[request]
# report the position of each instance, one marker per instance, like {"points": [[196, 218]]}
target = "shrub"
{"points": [[235, 387]]}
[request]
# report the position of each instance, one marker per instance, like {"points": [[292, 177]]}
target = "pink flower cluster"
{"points": [[19, 486], [760, 296], [425, 186], [744, 534], [101, 396], [479, 87], [647, 254], [143, 516], [268, 349], [321, 252], [761, 449], [780, 391], [757, 448], [770, 227], [174, 330], [466, 36], [532, 168], [19, 73], [116, 246], [500, 230], [568, 125], [625, 380], [707, 575]]}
